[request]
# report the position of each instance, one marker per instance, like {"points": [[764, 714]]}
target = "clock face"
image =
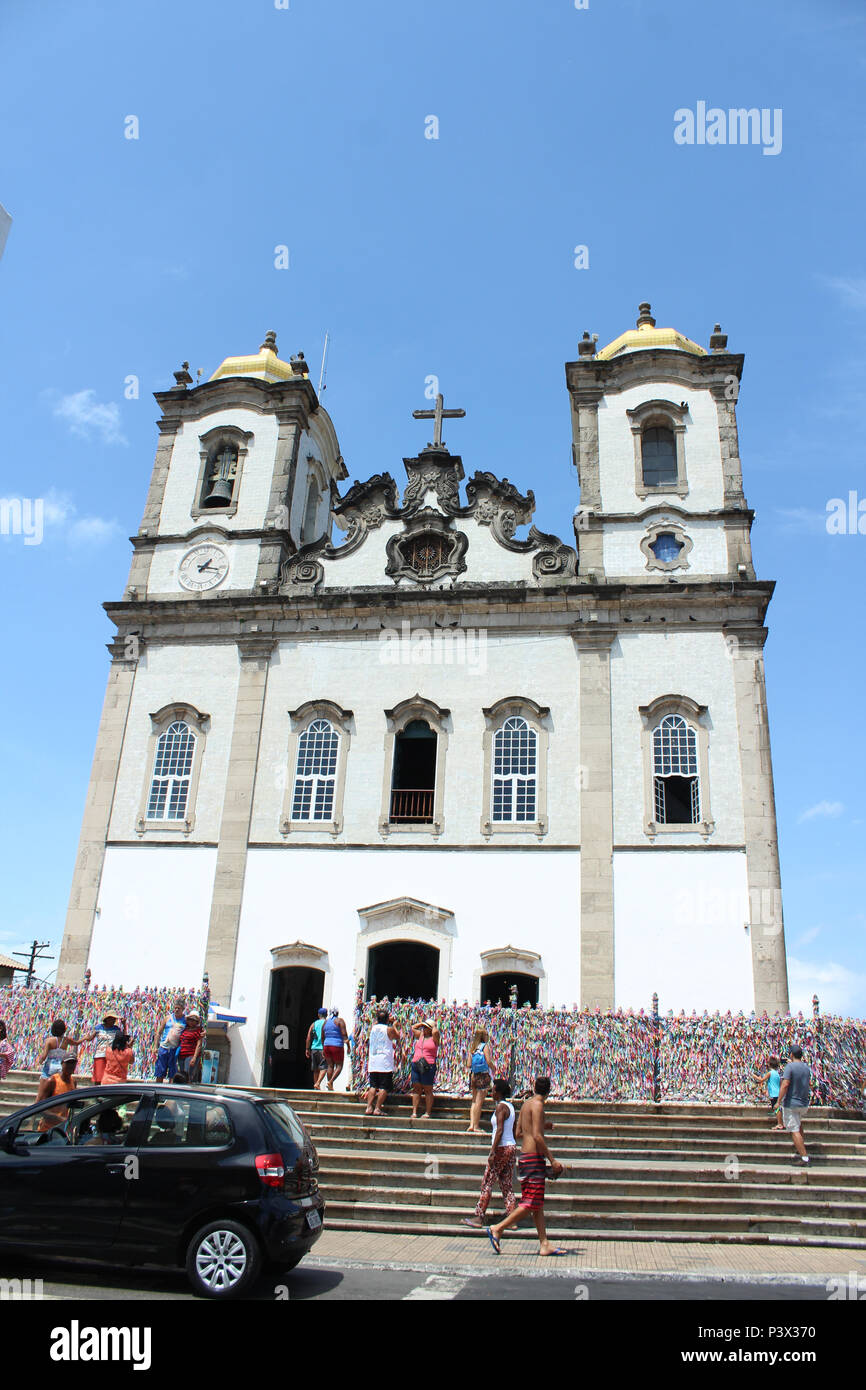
{"points": [[204, 567]]}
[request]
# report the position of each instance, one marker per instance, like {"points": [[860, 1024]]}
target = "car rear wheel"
{"points": [[223, 1260]]}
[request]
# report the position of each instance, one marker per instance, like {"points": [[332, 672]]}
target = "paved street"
{"points": [[319, 1279]]}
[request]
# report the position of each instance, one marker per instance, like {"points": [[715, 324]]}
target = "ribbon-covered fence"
{"points": [[29, 1014], [626, 1055]]}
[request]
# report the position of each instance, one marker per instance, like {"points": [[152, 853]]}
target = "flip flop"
{"points": [[558, 1251], [473, 1225], [493, 1241]]}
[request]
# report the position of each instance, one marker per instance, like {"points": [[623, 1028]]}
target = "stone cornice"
{"points": [[295, 398], [652, 364]]}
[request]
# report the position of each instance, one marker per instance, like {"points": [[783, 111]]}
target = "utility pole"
{"points": [[35, 954]]}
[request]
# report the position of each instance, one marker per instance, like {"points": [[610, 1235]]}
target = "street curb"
{"points": [[709, 1276]]}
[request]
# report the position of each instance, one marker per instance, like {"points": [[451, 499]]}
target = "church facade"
{"points": [[390, 732]]}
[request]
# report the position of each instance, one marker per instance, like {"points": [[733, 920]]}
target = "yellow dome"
{"points": [[265, 366], [646, 335]]}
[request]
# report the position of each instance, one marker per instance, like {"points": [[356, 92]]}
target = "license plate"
{"points": [[314, 1220]]}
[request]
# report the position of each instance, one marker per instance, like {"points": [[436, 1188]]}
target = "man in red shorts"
{"points": [[531, 1170]]}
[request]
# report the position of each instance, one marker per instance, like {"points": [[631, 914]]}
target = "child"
{"points": [[103, 1037], [773, 1082], [189, 1049], [117, 1060]]}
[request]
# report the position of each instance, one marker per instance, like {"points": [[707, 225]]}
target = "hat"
{"points": [[193, 1013], [67, 1057], [109, 1017], [323, 1013], [430, 1023]]}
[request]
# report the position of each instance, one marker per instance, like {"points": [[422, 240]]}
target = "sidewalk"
{"points": [[472, 1255]]}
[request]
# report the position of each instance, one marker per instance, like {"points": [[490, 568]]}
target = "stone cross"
{"points": [[438, 415]]}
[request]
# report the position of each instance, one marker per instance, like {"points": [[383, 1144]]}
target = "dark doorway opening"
{"points": [[402, 970], [296, 997], [413, 781], [497, 988]]}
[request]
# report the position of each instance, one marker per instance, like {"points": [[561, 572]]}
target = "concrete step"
{"points": [[395, 1166], [814, 1194], [564, 1205], [639, 1128], [430, 1139], [416, 1217], [340, 1221]]}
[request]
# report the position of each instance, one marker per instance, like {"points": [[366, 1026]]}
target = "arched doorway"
{"points": [[497, 988], [296, 997], [402, 970]]}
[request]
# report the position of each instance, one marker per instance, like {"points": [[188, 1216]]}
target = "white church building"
{"points": [[391, 732]]}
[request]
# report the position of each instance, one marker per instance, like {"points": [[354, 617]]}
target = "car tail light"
{"points": [[271, 1169]]}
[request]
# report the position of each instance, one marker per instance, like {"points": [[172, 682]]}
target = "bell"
{"points": [[220, 494]]}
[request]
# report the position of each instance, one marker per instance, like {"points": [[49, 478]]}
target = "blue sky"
{"points": [[304, 127]]}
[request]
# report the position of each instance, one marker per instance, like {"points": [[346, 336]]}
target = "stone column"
{"points": [[737, 528], [228, 889], [766, 928], [139, 571], [596, 818], [87, 874], [588, 525], [277, 545]]}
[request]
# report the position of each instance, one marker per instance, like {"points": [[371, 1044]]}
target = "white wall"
{"points": [[645, 666], [204, 675], [355, 674], [154, 908], [616, 447], [255, 485], [623, 557], [679, 930], [528, 900], [243, 557]]}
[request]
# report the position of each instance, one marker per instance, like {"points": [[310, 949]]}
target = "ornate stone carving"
{"points": [[446, 558]]}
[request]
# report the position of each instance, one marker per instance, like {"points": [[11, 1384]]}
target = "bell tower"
{"points": [[243, 475], [654, 433]]}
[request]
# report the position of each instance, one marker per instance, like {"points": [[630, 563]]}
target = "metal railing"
{"points": [[411, 804]]}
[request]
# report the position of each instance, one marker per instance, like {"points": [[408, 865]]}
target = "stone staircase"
{"points": [[711, 1173], [634, 1171]]}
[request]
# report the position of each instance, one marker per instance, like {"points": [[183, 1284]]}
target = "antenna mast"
{"points": [[322, 386]]}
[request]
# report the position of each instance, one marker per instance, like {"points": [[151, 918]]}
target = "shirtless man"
{"points": [[531, 1169]]}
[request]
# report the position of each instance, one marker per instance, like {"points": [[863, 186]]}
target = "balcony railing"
{"points": [[411, 804]]}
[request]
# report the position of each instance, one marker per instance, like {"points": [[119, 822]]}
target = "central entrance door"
{"points": [[296, 997], [497, 988], [403, 970]]}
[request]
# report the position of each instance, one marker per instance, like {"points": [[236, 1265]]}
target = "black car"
{"points": [[220, 1181]]}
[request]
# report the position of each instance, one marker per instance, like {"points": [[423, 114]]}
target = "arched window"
{"points": [[658, 457], [172, 770], [514, 798], [309, 530], [515, 766], [676, 783], [316, 773]]}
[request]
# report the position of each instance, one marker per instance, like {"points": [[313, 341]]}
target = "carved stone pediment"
{"points": [[435, 470], [428, 549]]}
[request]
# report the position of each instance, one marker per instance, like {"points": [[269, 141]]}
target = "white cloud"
{"points": [[60, 514], [850, 289], [829, 810], [87, 417], [92, 530], [840, 990]]}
